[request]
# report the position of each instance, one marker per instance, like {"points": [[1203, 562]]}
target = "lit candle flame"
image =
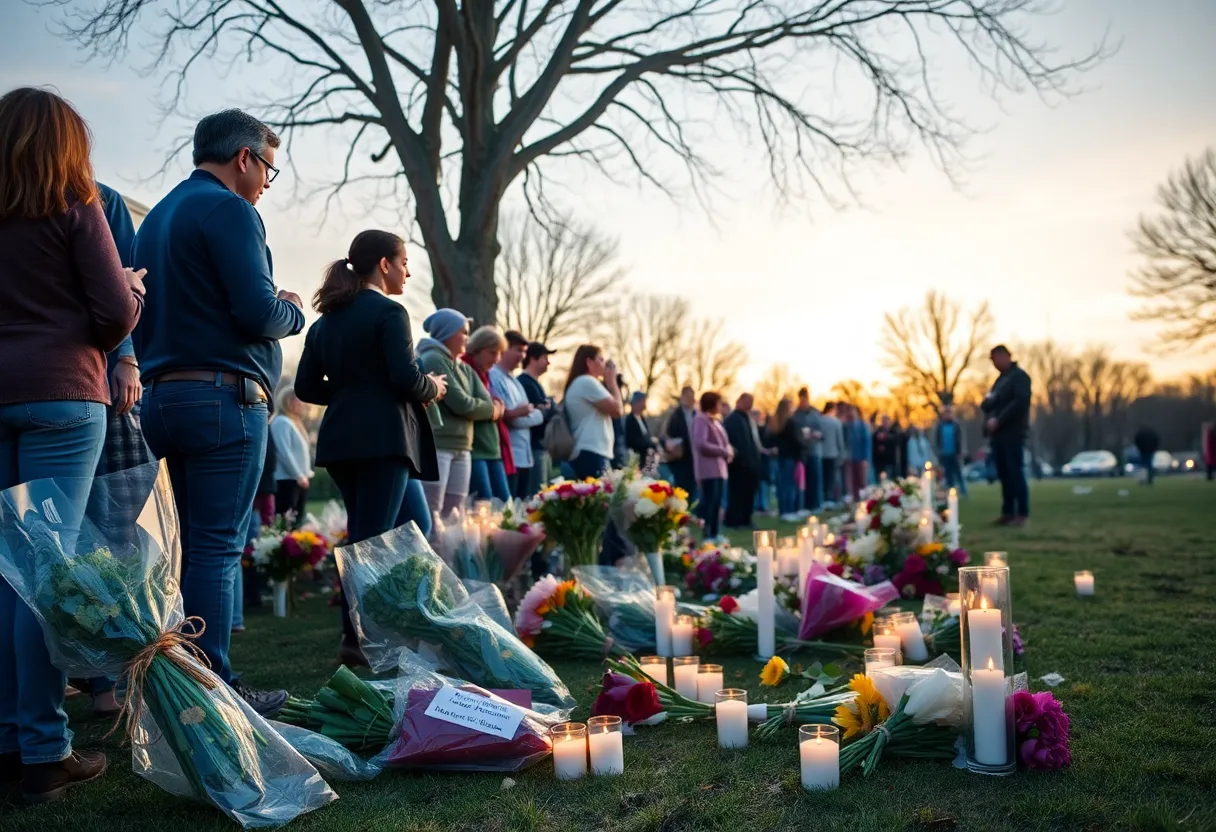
{"points": [[983, 602], [991, 666]]}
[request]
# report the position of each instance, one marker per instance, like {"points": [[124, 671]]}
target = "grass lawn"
{"points": [[1139, 662]]}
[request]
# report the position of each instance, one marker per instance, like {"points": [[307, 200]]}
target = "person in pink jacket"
{"points": [[711, 453]]}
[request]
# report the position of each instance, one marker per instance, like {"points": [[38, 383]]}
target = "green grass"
{"points": [[1139, 662]]}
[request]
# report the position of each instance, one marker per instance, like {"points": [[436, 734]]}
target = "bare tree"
{"points": [[778, 382], [553, 281], [1179, 279], [1056, 372], [707, 359], [1106, 388], [933, 349], [644, 334], [458, 101]]}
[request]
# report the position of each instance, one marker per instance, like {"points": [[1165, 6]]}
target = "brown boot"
{"points": [[44, 782]]}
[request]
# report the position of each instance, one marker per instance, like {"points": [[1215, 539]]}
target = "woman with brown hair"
{"points": [[65, 301], [711, 454], [359, 362], [592, 400], [790, 444]]}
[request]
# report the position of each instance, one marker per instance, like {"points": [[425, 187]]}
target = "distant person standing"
{"points": [[521, 415], [858, 448], [711, 454], [790, 443], [951, 449], [920, 451], [1147, 442], [536, 364], [1208, 441], [493, 462], [677, 442], [744, 471], [1007, 407], [208, 346], [832, 450], [293, 455], [638, 438], [886, 449], [810, 420]]}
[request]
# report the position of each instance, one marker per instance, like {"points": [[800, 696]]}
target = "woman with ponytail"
{"points": [[359, 362]]}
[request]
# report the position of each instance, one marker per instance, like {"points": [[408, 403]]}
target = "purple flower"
{"points": [[959, 557], [874, 573], [1042, 731], [1019, 646]]}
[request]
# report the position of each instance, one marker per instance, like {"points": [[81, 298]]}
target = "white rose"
{"points": [[891, 515], [645, 508], [943, 569], [677, 504]]}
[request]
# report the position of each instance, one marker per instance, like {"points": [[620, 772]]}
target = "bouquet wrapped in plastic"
{"points": [[573, 515], [651, 512], [93, 559], [731, 628], [558, 618], [405, 602], [510, 544], [831, 602]]}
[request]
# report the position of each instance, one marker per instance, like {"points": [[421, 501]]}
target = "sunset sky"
{"points": [[1038, 227]]}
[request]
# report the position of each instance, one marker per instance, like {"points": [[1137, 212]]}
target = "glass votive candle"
{"points": [[606, 744], [954, 603], [877, 657], [730, 708], [885, 635], [684, 669], [664, 618], [1084, 582], [996, 558], [819, 753], [911, 639], [569, 750], [483, 508], [709, 682], [655, 667], [681, 635]]}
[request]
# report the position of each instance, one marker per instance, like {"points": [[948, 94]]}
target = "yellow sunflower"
{"points": [[859, 717], [774, 672]]}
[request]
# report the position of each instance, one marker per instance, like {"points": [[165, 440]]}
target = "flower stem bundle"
{"points": [[347, 710]]}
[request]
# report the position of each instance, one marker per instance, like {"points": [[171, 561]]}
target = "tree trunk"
{"points": [[465, 281]]}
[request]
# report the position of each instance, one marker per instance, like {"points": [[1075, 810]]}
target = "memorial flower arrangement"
{"points": [[922, 724], [717, 569], [677, 707], [282, 554], [622, 695], [730, 628], [511, 543], [573, 515], [929, 567], [1042, 731], [654, 510], [559, 619]]}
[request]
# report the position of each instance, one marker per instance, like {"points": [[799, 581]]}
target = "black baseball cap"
{"points": [[536, 349]]}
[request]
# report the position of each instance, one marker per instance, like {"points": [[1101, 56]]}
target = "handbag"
{"points": [[559, 439]]}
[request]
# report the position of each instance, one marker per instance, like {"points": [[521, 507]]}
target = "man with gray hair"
{"points": [[210, 358]]}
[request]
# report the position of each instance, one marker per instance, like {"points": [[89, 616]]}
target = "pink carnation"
{"points": [[1042, 731], [528, 622], [959, 557]]}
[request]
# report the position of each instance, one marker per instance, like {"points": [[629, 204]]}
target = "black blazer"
{"points": [[359, 362], [638, 438], [739, 431], [679, 427]]}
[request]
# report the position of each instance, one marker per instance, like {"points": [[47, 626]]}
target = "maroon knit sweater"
{"points": [[64, 303]]}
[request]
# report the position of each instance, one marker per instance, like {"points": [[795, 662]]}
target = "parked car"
{"points": [[1188, 462], [1163, 462], [1091, 464]]}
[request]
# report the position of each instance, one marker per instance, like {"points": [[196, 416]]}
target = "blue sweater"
{"points": [[122, 229], [211, 301]]}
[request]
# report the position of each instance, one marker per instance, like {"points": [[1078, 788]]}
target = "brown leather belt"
{"points": [[209, 376]]}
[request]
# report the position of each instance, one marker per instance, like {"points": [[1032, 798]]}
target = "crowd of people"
{"points": [[122, 347]]}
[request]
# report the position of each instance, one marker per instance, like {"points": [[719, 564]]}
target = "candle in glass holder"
{"points": [[709, 682], [664, 617], [878, 657], [787, 557], [987, 634], [681, 635], [483, 508], [569, 750], [996, 559], [887, 637], [731, 712], [954, 604], [806, 556], [684, 669], [766, 640], [924, 532], [912, 640], [655, 667], [988, 716], [606, 745], [1084, 582], [819, 754]]}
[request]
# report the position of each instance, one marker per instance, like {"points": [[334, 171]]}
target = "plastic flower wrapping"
{"points": [[558, 618], [831, 601], [406, 604], [573, 515], [95, 560]]}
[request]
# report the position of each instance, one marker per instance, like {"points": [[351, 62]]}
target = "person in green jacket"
{"points": [[467, 401]]}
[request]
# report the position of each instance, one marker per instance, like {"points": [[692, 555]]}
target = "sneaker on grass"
{"points": [[267, 703]]}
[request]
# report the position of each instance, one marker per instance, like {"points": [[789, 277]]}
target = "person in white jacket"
{"points": [[505, 386], [920, 451], [293, 453]]}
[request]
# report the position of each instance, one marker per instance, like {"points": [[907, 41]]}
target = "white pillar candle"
{"points": [[787, 558], [820, 759], [664, 617], [1084, 582], [766, 641], [709, 682], [684, 668], [731, 714], [655, 667], [891, 641], [988, 716], [952, 508], [926, 487], [606, 745], [806, 556], [912, 640], [987, 642], [681, 635], [925, 530], [990, 587], [570, 752], [954, 605], [996, 559]]}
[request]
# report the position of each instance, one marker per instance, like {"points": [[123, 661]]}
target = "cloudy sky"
{"points": [[1038, 227]]}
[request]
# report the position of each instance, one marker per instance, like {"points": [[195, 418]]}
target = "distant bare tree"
{"points": [[554, 281], [644, 334], [778, 382], [1179, 243], [933, 349], [1056, 371], [707, 359], [1106, 387]]}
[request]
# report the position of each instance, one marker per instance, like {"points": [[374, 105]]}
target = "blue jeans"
{"points": [[488, 480], [1015, 494], [787, 488], [38, 441], [711, 505], [813, 498], [215, 448], [414, 507], [952, 465], [587, 464]]}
